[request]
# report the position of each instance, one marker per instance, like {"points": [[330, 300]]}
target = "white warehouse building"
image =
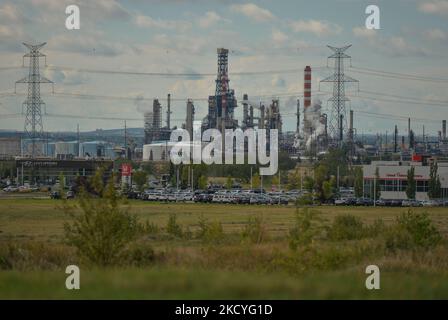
{"points": [[393, 179]]}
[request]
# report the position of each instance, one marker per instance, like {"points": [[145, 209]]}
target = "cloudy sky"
{"points": [[402, 68]]}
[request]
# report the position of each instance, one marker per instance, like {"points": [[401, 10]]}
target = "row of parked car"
{"points": [[217, 196], [390, 202]]}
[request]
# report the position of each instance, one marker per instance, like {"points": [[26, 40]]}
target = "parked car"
{"points": [[341, 202], [70, 195], [55, 195], [430, 203]]}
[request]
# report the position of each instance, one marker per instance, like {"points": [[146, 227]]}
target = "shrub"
{"points": [[420, 226], [172, 227], [413, 230], [35, 255], [255, 230], [397, 238], [346, 227], [151, 228], [210, 232], [138, 254], [307, 227], [376, 229], [103, 229]]}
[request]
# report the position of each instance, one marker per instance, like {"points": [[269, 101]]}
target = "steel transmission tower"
{"points": [[33, 102], [338, 120]]}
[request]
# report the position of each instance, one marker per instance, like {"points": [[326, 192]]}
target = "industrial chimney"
{"points": [[444, 130], [298, 117], [168, 112], [307, 87]]}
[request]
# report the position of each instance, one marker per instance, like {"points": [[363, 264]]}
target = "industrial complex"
{"points": [[39, 159]]}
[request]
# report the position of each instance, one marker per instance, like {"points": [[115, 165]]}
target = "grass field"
{"points": [[32, 233]]}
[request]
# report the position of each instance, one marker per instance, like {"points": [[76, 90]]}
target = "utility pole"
{"points": [[192, 179], [338, 78], [33, 117], [177, 178], [125, 141], [374, 191], [251, 188], [79, 143], [338, 179]]}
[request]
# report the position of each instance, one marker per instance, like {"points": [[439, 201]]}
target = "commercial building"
{"points": [[9, 147], [392, 179], [47, 170]]}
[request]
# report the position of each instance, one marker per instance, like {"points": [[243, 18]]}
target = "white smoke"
{"points": [[314, 123]]}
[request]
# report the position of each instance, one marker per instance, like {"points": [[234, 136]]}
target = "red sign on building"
{"points": [[126, 170], [417, 158]]}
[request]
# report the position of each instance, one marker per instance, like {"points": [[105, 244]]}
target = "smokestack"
{"points": [[395, 139], [156, 114], [261, 123], [168, 112], [307, 88], [444, 130], [190, 118], [251, 115], [409, 133], [245, 110], [298, 117]]}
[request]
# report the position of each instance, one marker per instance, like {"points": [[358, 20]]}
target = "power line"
{"points": [[176, 74], [389, 116], [396, 75]]}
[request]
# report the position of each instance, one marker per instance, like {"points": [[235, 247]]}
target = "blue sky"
{"points": [[175, 36]]}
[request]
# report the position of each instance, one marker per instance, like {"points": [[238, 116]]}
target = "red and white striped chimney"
{"points": [[307, 88]]}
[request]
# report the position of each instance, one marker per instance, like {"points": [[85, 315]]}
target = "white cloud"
{"points": [[253, 12], [9, 14], [317, 27], [149, 22], [86, 44], [278, 81], [279, 37], [98, 9], [211, 18], [66, 77], [436, 34], [439, 7], [363, 32], [394, 46]]}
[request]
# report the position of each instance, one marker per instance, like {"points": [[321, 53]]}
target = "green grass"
{"points": [[200, 284], [42, 220], [191, 269]]}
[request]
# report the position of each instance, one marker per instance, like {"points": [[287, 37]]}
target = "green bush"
{"points": [[210, 232], [346, 227], [307, 227], [397, 238], [376, 229], [139, 254], [173, 228], [255, 230], [412, 230], [102, 230], [150, 228]]}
